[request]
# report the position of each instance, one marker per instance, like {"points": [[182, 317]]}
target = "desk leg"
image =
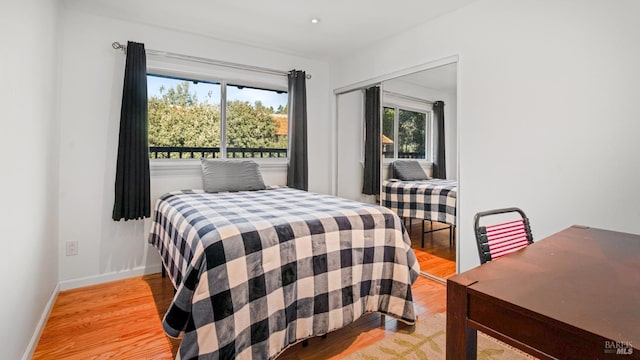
{"points": [[462, 341], [471, 338]]}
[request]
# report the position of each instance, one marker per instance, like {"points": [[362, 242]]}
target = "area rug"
{"points": [[427, 340]]}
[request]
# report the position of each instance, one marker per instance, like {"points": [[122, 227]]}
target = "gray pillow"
{"points": [[231, 175], [408, 170]]}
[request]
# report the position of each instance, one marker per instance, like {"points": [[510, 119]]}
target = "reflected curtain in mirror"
{"points": [[439, 165], [132, 194], [372, 143], [297, 169]]}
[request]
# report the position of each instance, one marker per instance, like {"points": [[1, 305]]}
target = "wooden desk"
{"points": [[573, 295]]}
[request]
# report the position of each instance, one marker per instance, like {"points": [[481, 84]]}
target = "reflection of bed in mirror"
{"points": [[424, 199]]}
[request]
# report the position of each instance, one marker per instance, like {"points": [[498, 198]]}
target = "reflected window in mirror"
{"points": [[412, 132], [406, 133], [388, 131]]}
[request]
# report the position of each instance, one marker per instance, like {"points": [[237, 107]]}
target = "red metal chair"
{"points": [[499, 239]]}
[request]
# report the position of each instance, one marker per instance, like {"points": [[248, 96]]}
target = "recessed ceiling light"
{"points": [[315, 20]]}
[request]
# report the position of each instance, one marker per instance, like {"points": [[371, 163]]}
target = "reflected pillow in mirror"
{"points": [[231, 175], [409, 170]]}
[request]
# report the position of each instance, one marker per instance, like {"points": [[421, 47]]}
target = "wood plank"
{"points": [[123, 319]]}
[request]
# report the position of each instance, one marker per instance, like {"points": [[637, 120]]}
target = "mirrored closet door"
{"points": [[417, 128], [419, 142]]}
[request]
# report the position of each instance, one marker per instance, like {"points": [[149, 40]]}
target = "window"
{"points": [[388, 131], [406, 133], [194, 118], [258, 129]]}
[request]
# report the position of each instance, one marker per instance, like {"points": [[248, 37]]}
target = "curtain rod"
{"points": [[407, 97], [117, 46]]}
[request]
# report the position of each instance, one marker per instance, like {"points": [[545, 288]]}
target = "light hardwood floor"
{"points": [[122, 320]]}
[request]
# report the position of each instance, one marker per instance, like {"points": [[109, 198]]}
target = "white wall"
{"points": [[29, 176], [92, 74], [548, 108]]}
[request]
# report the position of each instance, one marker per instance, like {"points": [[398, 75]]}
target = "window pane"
{"points": [[184, 118], [387, 133], [411, 134], [257, 122]]}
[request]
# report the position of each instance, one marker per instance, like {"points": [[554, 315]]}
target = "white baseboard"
{"points": [[40, 327], [112, 276]]}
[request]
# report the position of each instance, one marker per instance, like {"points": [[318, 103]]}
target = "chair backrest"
{"points": [[499, 239]]}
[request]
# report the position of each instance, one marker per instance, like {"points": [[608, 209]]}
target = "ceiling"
{"points": [[441, 78], [281, 25]]}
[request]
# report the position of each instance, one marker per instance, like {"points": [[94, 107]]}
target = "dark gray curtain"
{"points": [[371, 181], [439, 164], [132, 196], [297, 171]]}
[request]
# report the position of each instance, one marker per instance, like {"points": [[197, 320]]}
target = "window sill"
{"points": [[192, 167], [388, 161]]}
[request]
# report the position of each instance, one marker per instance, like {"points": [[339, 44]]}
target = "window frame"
{"points": [[224, 77]]}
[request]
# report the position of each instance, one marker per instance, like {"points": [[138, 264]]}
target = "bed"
{"points": [[432, 200], [258, 271]]}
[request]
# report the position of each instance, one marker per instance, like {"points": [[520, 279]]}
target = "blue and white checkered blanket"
{"points": [[257, 271], [433, 199]]}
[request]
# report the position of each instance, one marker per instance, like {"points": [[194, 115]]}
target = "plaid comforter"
{"points": [[433, 199], [258, 271]]}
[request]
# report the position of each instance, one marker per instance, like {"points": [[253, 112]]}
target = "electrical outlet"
{"points": [[72, 248]]}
